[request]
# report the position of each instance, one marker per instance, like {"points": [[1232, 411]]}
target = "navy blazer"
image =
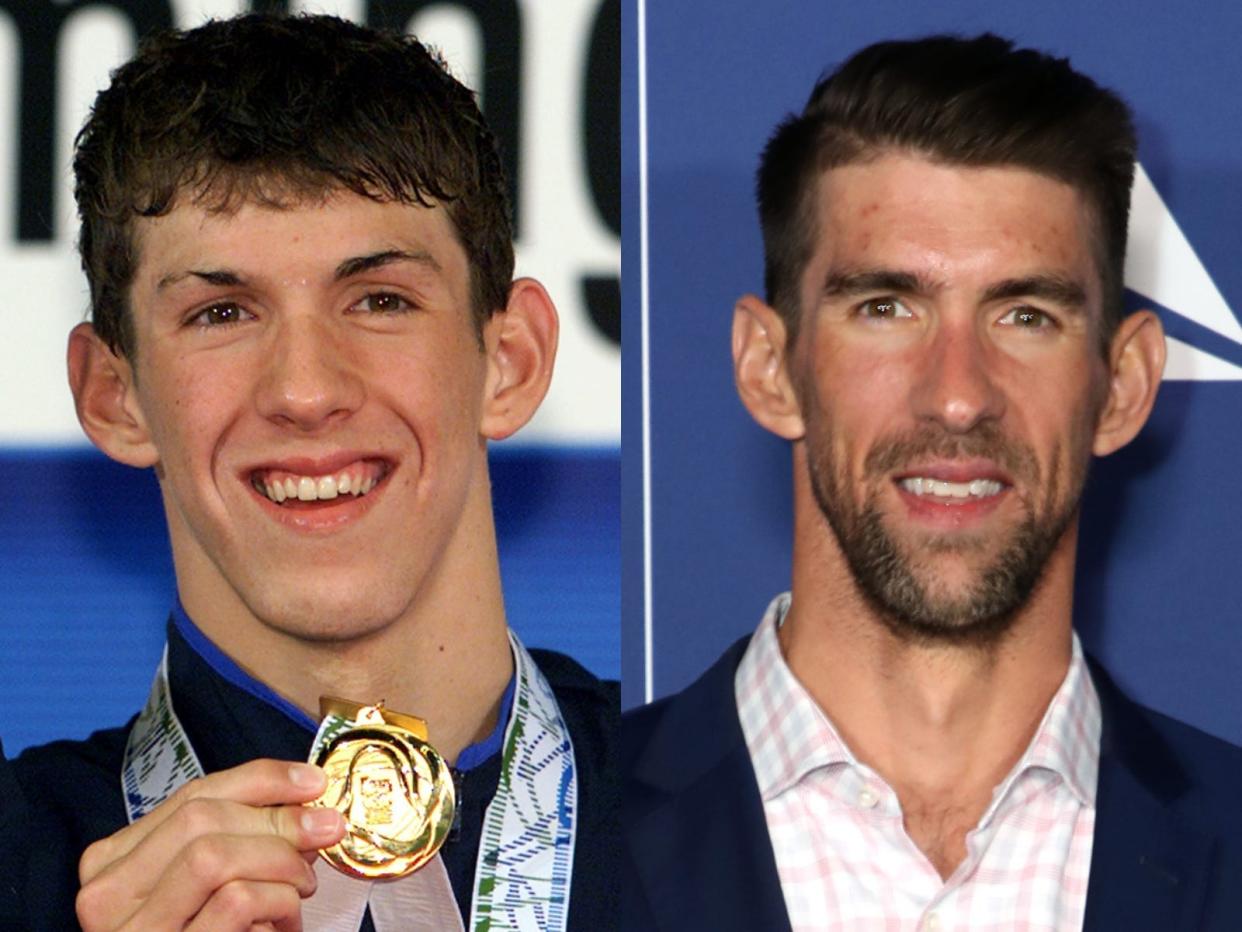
{"points": [[14, 830], [1167, 853]]}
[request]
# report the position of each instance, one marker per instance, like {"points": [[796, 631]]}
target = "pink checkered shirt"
{"points": [[842, 852]]}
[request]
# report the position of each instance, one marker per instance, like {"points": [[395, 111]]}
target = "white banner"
{"points": [[567, 227]]}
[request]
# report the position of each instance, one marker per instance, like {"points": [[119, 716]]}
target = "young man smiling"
{"points": [[300, 257], [913, 738]]}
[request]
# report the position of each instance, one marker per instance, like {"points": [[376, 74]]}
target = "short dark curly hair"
{"points": [[971, 102], [274, 110]]}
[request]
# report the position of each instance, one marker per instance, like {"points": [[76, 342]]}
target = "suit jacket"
{"points": [[1167, 853], [13, 825]]}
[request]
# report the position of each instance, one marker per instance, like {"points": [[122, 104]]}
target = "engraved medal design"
{"points": [[393, 788], [523, 872]]}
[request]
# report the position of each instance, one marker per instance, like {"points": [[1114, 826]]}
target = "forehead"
{"points": [[964, 224], [303, 241]]}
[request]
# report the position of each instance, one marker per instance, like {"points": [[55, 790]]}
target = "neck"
{"points": [[444, 657], [942, 723], [945, 722]]}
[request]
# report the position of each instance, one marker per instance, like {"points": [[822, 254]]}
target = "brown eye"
{"points": [[218, 315], [1028, 318], [384, 302], [887, 308]]}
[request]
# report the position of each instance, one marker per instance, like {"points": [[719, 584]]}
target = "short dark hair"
{"points": [[971, 102], [276, 110]]}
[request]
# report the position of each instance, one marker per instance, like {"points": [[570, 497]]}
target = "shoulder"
{"points": [[14, 826], [564, 674], [700, 720], [79, 781], [591, 708], [1197, 773], [71, 795], [1212, 767], [1215, 763]]}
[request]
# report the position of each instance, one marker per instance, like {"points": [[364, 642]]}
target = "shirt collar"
{"points": [[228, 670], [786, 731], [1067, 741], [789, 736]]}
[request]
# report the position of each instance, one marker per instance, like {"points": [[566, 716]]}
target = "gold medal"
{"points": [[393, 788]]}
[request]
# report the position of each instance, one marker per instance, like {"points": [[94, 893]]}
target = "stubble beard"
{"points": [[893, 581]]}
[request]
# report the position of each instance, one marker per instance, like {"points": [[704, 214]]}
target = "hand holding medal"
{"points": [[392, 787]]}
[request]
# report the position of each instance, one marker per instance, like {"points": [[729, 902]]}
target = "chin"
{"points": [[957, 603], [329, 616]]}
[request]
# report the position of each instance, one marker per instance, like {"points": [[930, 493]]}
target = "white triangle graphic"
{"points": [[1187, 364], [1162, 265]]}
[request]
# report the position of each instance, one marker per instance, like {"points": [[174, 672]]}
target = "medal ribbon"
{"points": [[523, 873]]}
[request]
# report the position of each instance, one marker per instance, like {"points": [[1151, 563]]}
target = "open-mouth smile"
{"points": [[291, 489], [951, 492]]}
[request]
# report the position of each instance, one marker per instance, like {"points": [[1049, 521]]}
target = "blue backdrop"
{"points": [[1158, 584]]}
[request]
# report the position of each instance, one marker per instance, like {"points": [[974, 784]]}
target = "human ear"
{"points": [[1136, 362], [761, 368], [520, 343], [104, 396]]}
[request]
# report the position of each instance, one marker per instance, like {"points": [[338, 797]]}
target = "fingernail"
{"points": [[311, 883], [322, 823], [306, 775]]}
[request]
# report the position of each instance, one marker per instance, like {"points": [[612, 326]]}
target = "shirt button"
{"points": [[932, 923], [867, 799]]}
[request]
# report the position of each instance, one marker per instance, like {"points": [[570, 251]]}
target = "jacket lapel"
{"points": [[1149, 867], [695, 828]]}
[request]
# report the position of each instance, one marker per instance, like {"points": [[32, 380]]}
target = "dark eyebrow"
{"points": [[1062, 291], [227, 278], [360, 264], [853, 282], [223, 278]]}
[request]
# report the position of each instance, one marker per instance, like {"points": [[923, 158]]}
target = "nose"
{"points": [[957, 387], [310, 378]]}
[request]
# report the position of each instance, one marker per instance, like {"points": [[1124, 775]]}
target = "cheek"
{"points": [[439, 393], [189, 409], [860, 397], [1064, 453]]}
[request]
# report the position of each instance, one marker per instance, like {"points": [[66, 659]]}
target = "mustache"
{"points": [[984, 441]]}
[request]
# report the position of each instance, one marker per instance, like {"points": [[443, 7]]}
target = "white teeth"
{"points": [[975, 488], [310, 489]]}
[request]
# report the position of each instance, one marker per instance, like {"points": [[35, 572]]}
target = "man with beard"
{"points": [[913, 737]]}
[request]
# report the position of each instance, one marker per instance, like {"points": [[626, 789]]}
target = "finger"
{"points": [[132, 878], [191, 879], [256, 783], [247, 906]]}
